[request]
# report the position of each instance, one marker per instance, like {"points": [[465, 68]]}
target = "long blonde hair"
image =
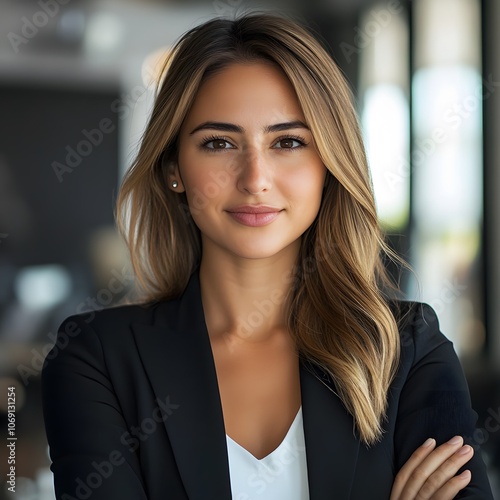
{"points": [[337, 313]]}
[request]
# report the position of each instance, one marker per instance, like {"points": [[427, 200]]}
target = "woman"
{"points": [[265, 361]]}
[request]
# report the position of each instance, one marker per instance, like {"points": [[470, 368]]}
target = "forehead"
{"points": [[246, 92]]}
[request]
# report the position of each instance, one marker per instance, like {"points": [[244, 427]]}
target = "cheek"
{"points": [[193, 173], [204, 190], [317, 176], [306, 184], [209, 173]]}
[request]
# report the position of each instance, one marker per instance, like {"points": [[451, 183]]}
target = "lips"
{"points": [[254, 215], [254, 209]]}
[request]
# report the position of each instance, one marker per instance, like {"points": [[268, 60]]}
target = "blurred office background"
{"points": [[75, 92]]}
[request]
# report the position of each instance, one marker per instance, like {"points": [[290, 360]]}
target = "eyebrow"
{"points": [[231, 127]]}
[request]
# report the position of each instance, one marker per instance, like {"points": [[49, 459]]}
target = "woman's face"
{"points": [[244, 147]]}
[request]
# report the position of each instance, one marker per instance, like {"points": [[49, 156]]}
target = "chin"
{"points": [[256, 251]]}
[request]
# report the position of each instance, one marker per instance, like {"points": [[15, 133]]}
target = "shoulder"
{"points": [[114, 322], [414, 318], [122, 313], [96, 337], [419, 328]]}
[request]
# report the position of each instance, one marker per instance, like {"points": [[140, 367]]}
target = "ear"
{"points": [[173, 177]]}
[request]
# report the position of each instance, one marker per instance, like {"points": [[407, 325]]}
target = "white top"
{"points": [[280, 475]]}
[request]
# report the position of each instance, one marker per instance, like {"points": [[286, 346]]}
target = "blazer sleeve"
{"points": [[435, 399], [83, 420]]}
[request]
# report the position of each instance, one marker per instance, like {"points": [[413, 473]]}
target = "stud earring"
{"points": [[174, 184]]}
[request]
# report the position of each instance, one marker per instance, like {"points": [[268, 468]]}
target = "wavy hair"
{"points": [[337, 312]]}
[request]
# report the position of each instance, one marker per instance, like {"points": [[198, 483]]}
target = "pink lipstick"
{"points": [[254, 215]]}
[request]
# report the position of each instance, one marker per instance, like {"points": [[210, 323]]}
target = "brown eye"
{"points": [[289, 143], [216, 144], [219, 144]]}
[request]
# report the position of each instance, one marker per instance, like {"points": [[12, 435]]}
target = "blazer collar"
{"points": [[176, 352]]}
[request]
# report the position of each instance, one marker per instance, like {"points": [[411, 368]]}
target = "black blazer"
{"points": [[132, 409]]}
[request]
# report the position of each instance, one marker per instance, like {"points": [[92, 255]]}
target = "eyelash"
{"points": [[208, 139], [302, 142]]}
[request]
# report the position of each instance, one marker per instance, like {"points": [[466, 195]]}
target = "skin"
{"points": [[244, 270], [430, 471]]}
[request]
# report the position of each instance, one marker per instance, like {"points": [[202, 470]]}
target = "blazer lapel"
{"points": [[331, 445], [178, 360]]}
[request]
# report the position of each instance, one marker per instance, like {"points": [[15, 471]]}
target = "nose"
{"points": [[254, 173]]}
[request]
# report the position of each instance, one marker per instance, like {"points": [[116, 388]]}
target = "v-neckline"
{"points": [[269, 456]]}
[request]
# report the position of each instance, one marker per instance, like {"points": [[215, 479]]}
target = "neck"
{"points": [[243, 299]]}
